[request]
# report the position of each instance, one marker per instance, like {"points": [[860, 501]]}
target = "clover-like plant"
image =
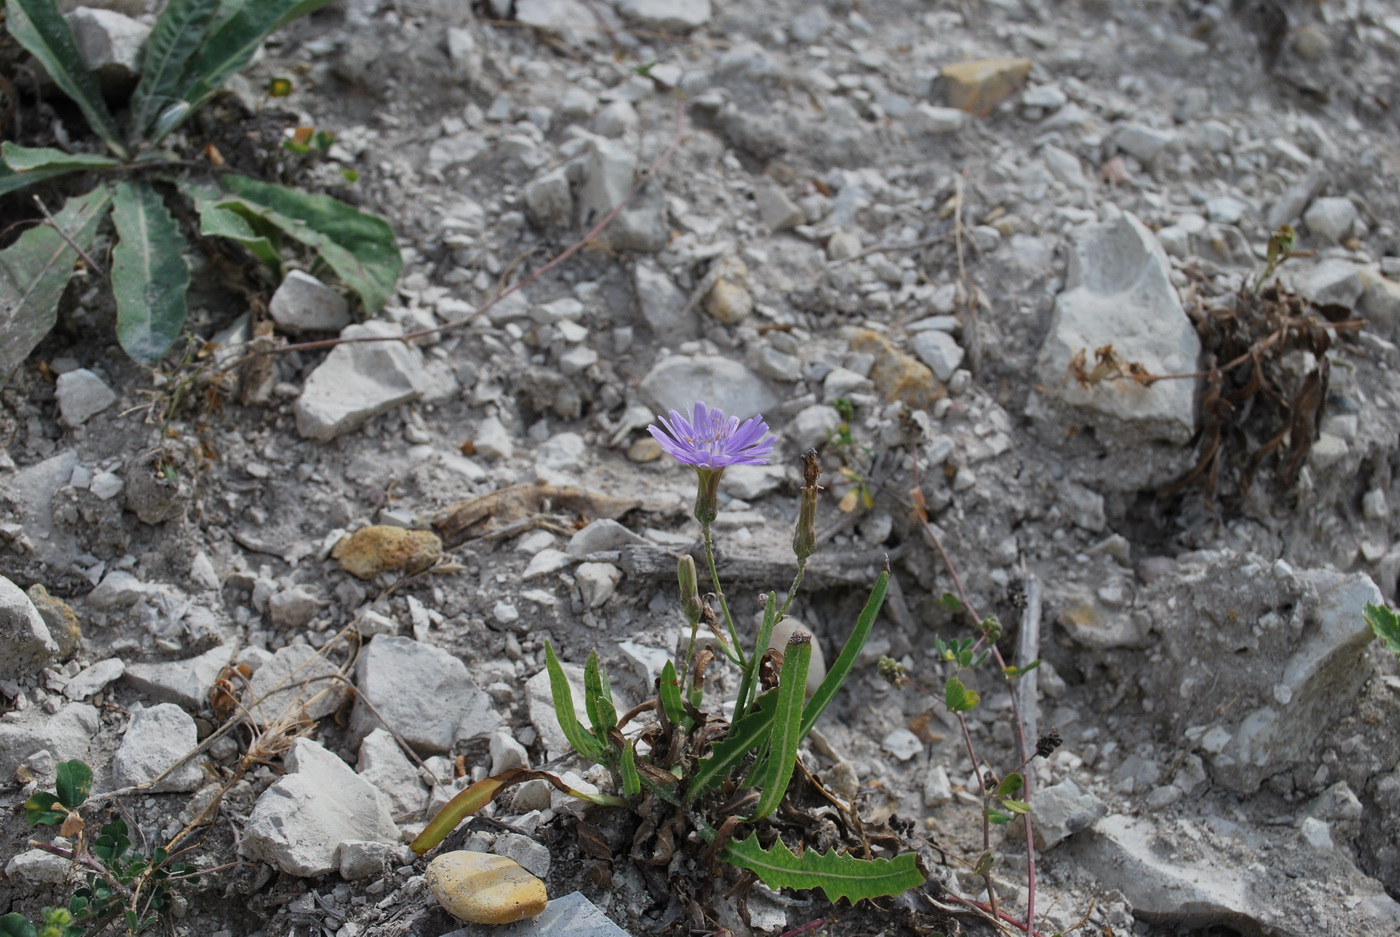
{"points": [[690, 769], [194, 47], [121, 883]]}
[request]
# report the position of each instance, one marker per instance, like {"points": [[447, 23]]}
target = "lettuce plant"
{"points": [[195, 46], [719, 778]]}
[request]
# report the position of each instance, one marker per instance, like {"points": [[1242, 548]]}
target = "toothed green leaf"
{"points": [[744, 736], [836, 875]]}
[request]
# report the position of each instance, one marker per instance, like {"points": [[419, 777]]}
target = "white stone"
{"points": [[25, 643], [1142, 141], [776, 210], [295, 680], [545, 562], [383, 763], [156, 739], [676, 383], [1117, 291], [1062, 810], [425, 694], [106, 485], [304, 304], [940, 351], [676, 16], [358, 381], [938, 789], [932, 120], [596, 582], [600, 535], [902, 744], [616, 119], [94, 679], [609, 170], [549, 200], [81, 395], [300, 821], [109, 42], [184, 682], [1330, 219], [813, 426], [493, 439], [1225, 210], [1332, 282], [662, 304], [507, 753]]}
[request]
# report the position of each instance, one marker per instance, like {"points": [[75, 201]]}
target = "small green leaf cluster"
{"points": [[135, 887], [194, 47], [1386, 625]]}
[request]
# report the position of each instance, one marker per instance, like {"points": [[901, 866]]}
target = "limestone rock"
{"points": [[422, 692], [940, 351], [25, 643], [81, 395], [1331, 282], [662, 303], [384, 764], [65, 734], [600, 535], [358, 381], [897, 374], [776, 210], [300, 821], [304, 304], [296, 681], [675, 16], [609, 172], [382, 548], [1061, 810], [484, 889], [675, 383], [157, 737], [1330, 219], [184, 682], [110, 44], [1117, 292]]}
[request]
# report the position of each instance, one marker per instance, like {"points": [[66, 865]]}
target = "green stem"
{"points": [[796, 584], [737, 654]]}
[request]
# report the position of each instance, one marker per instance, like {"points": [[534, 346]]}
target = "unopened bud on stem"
{"points": [[707, 494], [690, 589], [804, 537]]}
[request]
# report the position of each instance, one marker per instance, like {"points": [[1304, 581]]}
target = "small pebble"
{"points": [[484, 889]]}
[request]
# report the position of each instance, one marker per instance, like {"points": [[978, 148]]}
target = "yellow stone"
{"points": [[645, 449], [61, 619], [484, 889], [897, 374], [370, 551], [979, 86]]}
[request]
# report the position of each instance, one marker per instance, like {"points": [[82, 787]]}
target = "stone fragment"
{"points": [[426, 695], [750, 482], [185, 683], [157, 737], [616, 119], [358, 381], [571, 19], [484, 889], [549, 200], [843, 245], [1330, 219], [383, 763], [292, 608], [776, 210], [902, 744], [361, 859], [65, 734], [37, 867], [493, 439], [1117, 292], [897, 374], [60, 619], [596, 582], [545, 562], [110, 44], [1063, 809], [938, 789], [940, 351], [1296, 198], [532, 856], [81, 395], [304, 304], [673, 16], [300, 821], [936, 121], [601, 535], [25, 643], [507, 753], [571, 916], [675, 383], [662, 304], [813, 426], [1332, 282], [29, 494], [382, 548], [296, 681], [94, 679], [608, 176], [1142, 141], [1380, 304], [979, 86]]}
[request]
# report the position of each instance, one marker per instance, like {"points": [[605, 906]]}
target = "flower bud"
{"points": [[804, 537], [707, 494], [690, 589]]}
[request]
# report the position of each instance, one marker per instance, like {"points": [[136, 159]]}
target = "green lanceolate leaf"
{"points": [[1386, 626], [837, 875], [597, 695], [744, 736], [35, 270], [787, 725], [826, 690], [627, 767], [174, 40], [960, 699], [74, 780], [580, 738], [11, 181], [765, 634], [149, 275], [46, 35], [235, 220], [360, 248], [669, 691], [27, 159], [232, 41]]}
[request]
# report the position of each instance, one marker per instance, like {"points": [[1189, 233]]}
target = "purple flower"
{"points": [[709, 440]]}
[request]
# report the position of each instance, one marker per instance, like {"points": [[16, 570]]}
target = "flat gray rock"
{"points": [[82, 395], [662, 303], [676, 16], [158, 737], [1117, 292], [65, 734], [570, 916], [676, 383], [1061, 810], [296, 679], [184, 682], [609, 172], [25, 643], [422, 692], [304, 304], [299, 823], [358, 381], [384, 764]]}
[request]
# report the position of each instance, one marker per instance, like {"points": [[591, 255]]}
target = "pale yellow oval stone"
{"points": [[484, 889]]}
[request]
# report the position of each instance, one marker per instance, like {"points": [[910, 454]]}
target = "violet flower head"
{"points": [[709, 440]]}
